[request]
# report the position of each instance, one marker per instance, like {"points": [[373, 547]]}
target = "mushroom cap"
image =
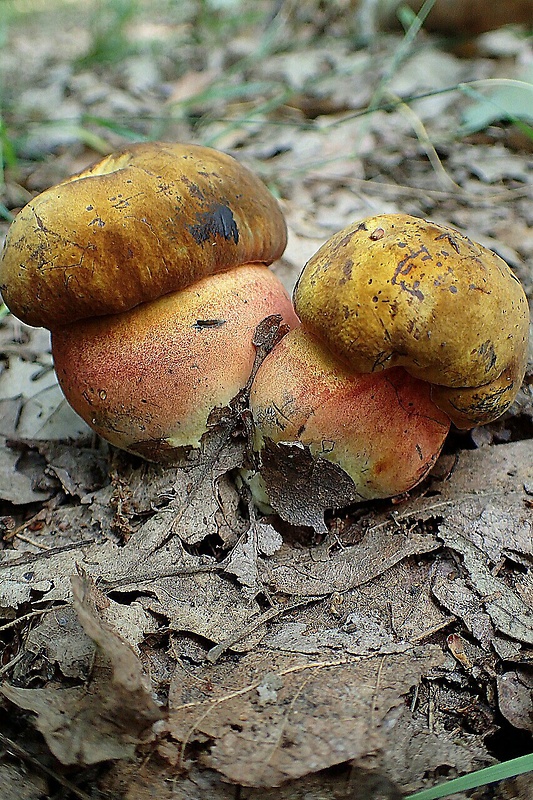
{"points": [[143, 222], [382, 429], [395, 290], [148, 379]]}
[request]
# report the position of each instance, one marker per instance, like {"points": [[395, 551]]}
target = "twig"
{"points": [[17, 531], [33, 543], [215, 652], [54, 551], [380, 187], [14, 622], [131, 580], [20, 655]]}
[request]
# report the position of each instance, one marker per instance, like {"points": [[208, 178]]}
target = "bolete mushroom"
{"points": [[406, 326], [150, 270]]}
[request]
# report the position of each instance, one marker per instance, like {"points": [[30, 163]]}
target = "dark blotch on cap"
{"points": [[217, 221]]}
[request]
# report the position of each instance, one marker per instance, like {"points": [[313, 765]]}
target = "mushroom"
{"points": [[406, 326], [150, 270]]}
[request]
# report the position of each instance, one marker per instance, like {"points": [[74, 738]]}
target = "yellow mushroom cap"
{"points": [[395, 290], [143, 222]]}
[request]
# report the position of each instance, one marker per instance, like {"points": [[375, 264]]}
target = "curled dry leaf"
{"points": [[16, 485], [453, 593], [300, 487], [261, 539], [60, 637]]}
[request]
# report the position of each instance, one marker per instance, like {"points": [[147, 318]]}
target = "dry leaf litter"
{"points": [[161, 637]]}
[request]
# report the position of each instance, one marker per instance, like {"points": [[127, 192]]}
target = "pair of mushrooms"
{"points": [[151, 271]]}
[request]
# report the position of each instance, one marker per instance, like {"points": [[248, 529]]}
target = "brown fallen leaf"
{"points": [[198, 510], [515, 697], [61, 638], [301, 487], [156, 780], [276, 717], [17, 485], [480, 513], [453, 594], [317, 571], [108, 717], [260, 539]]}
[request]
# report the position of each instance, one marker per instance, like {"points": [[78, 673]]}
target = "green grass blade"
{"points": [[402, 52], [513, 108], [507, 769], [5, 213]]}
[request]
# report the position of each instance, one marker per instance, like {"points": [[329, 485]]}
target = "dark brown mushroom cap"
{"points": [[396, 290], [141, 223]]}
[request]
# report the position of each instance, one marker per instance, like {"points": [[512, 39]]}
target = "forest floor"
{"points": [[158, 641]]}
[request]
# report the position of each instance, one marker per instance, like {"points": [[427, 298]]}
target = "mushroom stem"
{"points": [[148, 380], [382, 429]]}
